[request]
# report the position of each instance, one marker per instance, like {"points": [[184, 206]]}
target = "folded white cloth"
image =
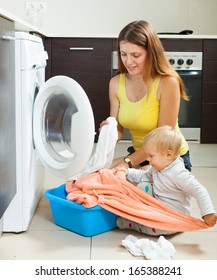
{"points": [[160, 250], [104, 152]]}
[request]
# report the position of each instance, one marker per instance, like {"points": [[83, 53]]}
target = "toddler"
{"points": [[170, 181]]}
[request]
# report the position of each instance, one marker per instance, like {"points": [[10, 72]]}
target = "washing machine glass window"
{"points": [[57, 124], [63, 126]]}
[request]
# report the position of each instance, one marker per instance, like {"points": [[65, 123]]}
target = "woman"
{"points": [[146, 91]]}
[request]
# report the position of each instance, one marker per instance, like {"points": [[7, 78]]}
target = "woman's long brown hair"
{"points": [[141, 33]]}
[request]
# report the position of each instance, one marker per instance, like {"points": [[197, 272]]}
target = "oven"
{"points": [[189, 66]]}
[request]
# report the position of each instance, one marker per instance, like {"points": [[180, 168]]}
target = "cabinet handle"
{"points": [[9, 38], [80, 49]]}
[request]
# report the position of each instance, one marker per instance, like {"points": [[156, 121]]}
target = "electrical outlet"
{"points": [[39, 7]]}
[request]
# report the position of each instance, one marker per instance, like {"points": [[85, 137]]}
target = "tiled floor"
{"points": [[45, 240]]}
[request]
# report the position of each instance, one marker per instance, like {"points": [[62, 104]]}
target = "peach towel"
{"points": [[113, 192]]}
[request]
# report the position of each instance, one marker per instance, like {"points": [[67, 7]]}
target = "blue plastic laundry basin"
{"points": [[77, 218]]}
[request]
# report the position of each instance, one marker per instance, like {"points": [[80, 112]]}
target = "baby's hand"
{"points": [[122, 169], [210, 219]]}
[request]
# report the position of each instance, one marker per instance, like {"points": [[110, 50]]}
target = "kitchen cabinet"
{"points": [[209, 98], [182, 45], [88, 61], [7, 114]]}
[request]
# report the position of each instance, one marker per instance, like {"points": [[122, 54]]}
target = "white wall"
{"points": [[107, 17]]}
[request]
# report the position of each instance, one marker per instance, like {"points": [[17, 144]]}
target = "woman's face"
{"points": [[133, 57]]}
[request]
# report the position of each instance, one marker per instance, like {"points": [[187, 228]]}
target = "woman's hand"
{"points": [[210, 219], [105, 122]]}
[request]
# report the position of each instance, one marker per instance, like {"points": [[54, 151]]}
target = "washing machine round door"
{"points": [[63, 126]]}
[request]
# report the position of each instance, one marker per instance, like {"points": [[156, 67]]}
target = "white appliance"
{"points": [[54, 122], [30, 62]]}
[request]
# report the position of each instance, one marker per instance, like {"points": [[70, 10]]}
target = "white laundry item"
{"points": [[130, 243], [104, 152], [160, 250]]}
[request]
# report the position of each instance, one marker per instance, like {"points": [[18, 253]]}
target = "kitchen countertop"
{"points": [[21, 25], [188, 36]]}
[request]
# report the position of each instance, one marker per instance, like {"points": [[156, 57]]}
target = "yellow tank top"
{"points": [[141, 117]]}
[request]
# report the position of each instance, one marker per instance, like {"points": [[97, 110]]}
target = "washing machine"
{"points": [[54, 129]]}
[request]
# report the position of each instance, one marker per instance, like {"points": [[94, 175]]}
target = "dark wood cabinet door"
{"points": [[209, 97], [7, 115], [210, 47], [209, 124], [180, 45], [88, 61]]}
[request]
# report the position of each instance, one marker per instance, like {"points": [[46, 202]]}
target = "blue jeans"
{"points": [[187, 161]]}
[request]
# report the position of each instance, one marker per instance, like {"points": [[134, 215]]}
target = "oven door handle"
{"points": [[190, 73]]}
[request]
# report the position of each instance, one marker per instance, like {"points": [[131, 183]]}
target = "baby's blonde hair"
{"points": [[164, 138]]}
